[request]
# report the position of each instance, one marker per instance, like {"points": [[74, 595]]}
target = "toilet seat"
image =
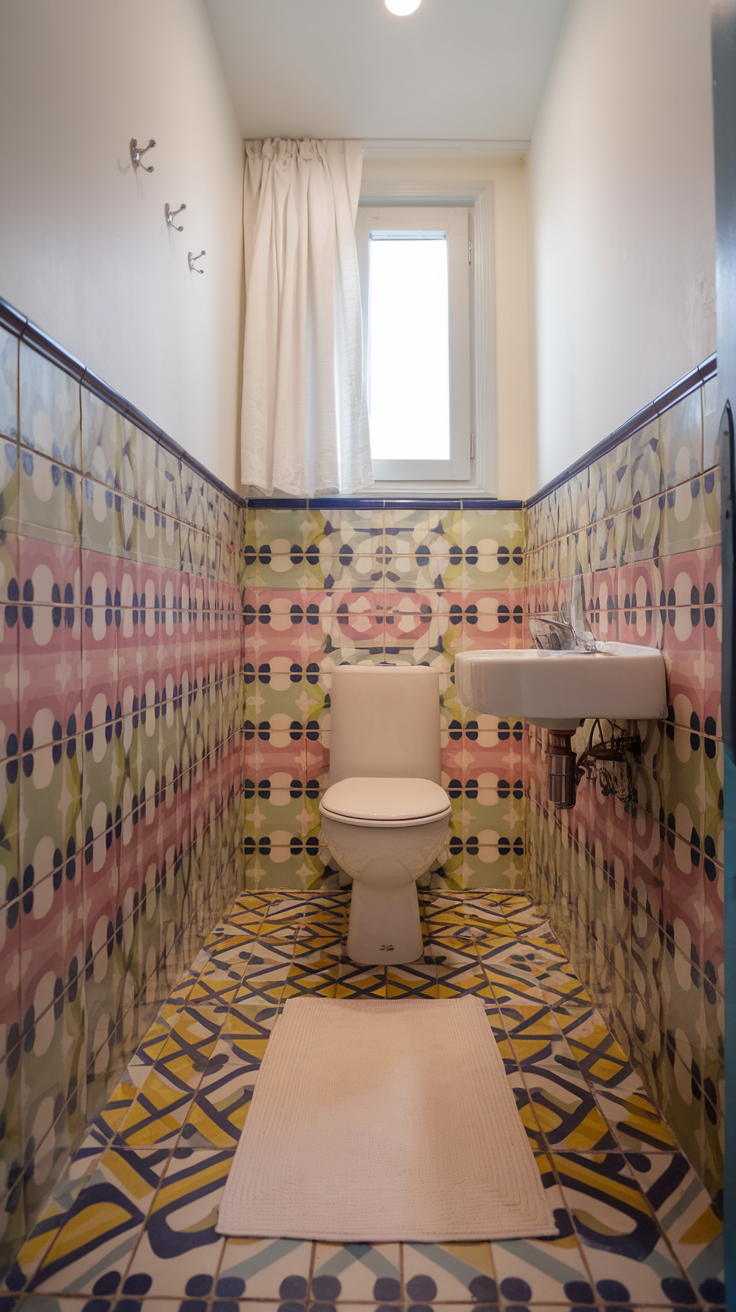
{"points": [[385, 803]]}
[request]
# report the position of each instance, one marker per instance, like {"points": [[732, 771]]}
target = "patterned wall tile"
{"points": [[120, 661], [364, 585], [650, 898]]}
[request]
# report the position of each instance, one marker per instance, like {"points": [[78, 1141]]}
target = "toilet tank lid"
{"points": [[385, 799]]}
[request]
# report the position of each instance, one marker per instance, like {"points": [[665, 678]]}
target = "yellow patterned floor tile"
{"points": [[158, 1034], [455, 982], [411, 981], [195, 1032], [249, 1023], [262, 986], [118, 1105], [249, 1053], [488, 931], [453, 949], [245, 919], [636, 1122], [103, 1222], [322, 945], [183, 1102], [215, 986], [159, 1110], [354, 981], [217, 1114], [529, 1020], [303, 980]]}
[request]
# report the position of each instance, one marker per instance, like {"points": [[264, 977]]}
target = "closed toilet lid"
{"points": [[395, 801]]}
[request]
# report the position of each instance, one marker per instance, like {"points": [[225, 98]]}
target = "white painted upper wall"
{"points": [[84, 249], [623, 219]]}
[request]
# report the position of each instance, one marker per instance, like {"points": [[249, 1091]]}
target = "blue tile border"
{"points": [[376, 503], [665, 401], [15, 322]]}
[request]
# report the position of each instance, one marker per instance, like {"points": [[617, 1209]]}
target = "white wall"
{"points": [[515, 471], [622, 213], [84, 249]]}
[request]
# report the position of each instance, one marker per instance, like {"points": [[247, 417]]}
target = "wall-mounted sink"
{"points": [[558, 689]]}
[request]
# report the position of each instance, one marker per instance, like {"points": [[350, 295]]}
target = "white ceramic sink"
{"points": [[558, 689]]}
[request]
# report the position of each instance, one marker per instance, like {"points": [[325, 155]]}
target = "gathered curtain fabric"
{"points": [[304, 409]]}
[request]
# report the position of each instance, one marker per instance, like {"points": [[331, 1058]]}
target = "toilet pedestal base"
{"points": [[384, 927]]}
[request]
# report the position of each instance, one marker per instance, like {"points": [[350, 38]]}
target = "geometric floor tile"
{"points": [[104, 1222], [359, 1273], [179, 1249], [131, 1225], [629, 1259], [267, 1268], [449, 1272], [685, 1213], [544, 1270]]}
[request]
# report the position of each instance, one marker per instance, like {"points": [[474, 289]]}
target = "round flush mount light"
{"points": [[402, 7]]}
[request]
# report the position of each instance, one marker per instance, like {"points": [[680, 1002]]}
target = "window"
{"points": [[416, 290]]}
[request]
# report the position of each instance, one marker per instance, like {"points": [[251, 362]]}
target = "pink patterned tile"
{"points": [[712, 674], [643, 626], [49, 574], [127, 583], [99, 670], [712, 576], [52, 928], [9, 688], [98, 578], [683, 649], [50, 692], [130, 668], [284, 754], [491, 627], [683, 578]]}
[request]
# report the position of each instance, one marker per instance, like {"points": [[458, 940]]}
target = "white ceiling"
{"points": [[470, 70]]}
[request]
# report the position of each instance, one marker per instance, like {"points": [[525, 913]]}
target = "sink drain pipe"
{"points": [[562, 768]]}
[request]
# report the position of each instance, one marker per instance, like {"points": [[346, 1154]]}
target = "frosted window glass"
{"points": [[409, 383]]}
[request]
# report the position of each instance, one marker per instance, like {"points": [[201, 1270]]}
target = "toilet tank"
{"points": [[385, 721]]}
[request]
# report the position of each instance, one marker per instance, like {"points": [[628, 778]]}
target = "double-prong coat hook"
{"points": [[136, 152], [171, 215], [192, 258]]}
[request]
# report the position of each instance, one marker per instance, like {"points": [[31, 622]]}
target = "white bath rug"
{"points": [[375, 1121]]}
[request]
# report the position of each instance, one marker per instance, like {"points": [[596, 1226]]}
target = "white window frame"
{"points": [[454, 223], [479, 197]]}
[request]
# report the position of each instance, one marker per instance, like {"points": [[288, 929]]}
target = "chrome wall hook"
{"points": [[192, 258], [171, 215], [136, 152]]}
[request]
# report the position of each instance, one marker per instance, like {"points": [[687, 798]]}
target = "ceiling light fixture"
{"points": [[402, 7]]}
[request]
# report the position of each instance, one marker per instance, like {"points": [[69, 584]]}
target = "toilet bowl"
{"points": [[384, 814]]}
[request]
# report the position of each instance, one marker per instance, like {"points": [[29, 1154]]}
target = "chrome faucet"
{"points": [[566, 631], [555, 633]]}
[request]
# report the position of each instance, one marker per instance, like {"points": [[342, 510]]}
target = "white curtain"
{"points": [[304, 413]]}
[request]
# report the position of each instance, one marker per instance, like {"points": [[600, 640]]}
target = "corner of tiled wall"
{"points": [[120, 732], [635, 888]]}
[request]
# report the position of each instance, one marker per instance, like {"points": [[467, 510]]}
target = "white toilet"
{"points": [[384, 815]]}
